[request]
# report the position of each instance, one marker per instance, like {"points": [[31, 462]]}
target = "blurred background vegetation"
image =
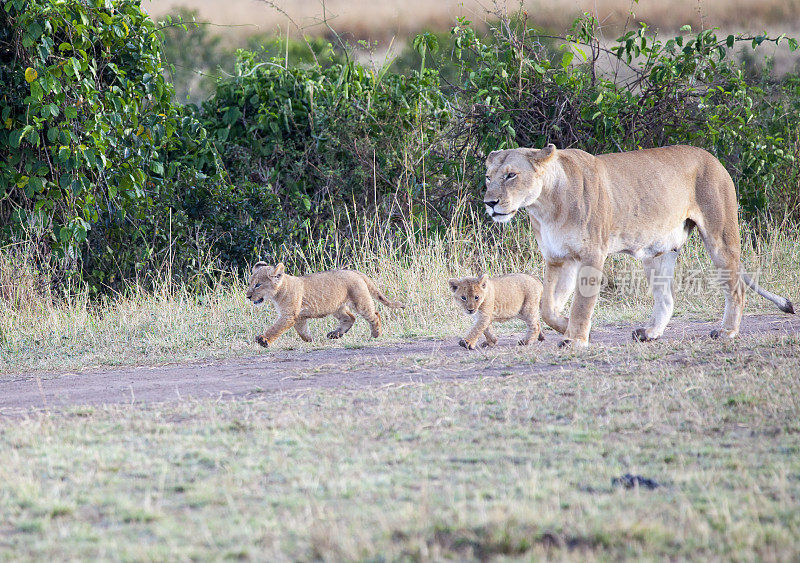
{"points": [[131, 147]]}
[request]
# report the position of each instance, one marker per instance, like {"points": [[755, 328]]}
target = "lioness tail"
{"points": [[783, 304], [377, 294]]}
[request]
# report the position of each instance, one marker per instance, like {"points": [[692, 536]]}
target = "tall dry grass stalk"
{"points": [[175, 321]]}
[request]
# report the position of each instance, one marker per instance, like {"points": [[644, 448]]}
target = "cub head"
{"points": [[264, 282], [514, 179], [469, 292]]}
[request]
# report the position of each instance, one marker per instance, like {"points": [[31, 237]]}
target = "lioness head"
{"points": [[264, 282], [514, 179], [469, 292]]}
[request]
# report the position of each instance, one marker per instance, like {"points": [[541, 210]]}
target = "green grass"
{"points": [[516, 465]]}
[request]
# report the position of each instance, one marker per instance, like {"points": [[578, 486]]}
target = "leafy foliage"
{"points": [[311, 144], [90, 135]]}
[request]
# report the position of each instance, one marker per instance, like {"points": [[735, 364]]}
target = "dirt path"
{"points": [[333, 367]]}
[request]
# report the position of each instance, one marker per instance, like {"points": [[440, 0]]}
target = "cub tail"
{"points": [[783, 304], [378, 294]]}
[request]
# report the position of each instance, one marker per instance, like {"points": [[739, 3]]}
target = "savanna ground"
{"points": [[151, 427]]}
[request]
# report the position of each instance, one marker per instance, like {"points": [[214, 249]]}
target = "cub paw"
{"points": [[262, 341], [523, 342], [541, 337], [334, 334], [464, 344], [640, 335], [487, 344], [566, 343]]}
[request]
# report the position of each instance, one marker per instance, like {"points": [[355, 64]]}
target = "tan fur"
{"points": [[498, 299], [315, 296], [643, 203]]}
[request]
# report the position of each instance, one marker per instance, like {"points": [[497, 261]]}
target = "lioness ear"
{"points": [[483, 280], [454, 283], [278, 269], [546, 153], [539, 156], [258, 265], [491, 157]]}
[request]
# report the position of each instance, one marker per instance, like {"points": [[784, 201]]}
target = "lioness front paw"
{"points": [[723, 334], [262, 341], [573, 343], [541, 337], [640, 335], [464, 344]]}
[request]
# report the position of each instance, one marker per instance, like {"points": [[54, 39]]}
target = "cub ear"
{"points": [[454, 283], [483, 280], [258, 265], [279, 269], [492, 157]]}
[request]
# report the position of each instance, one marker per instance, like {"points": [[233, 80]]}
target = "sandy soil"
{"points": [[335, 366]]}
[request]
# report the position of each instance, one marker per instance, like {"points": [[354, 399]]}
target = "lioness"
{"points": [[643, 203], [315, 296], [498, 299]]}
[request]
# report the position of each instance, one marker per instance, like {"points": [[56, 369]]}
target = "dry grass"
{"points": [[174, 323], [513, 466], [383, 19]]}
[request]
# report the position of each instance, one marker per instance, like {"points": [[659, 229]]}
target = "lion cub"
{"points": [[499, 299], [315, 296]]}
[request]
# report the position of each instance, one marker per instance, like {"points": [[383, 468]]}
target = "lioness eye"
{"points": [[476, 298], [511, 175], [258, 285], [463, 297], [488, 179]]}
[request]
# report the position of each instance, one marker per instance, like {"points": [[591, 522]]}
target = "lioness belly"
{"points": [[648, 244]]}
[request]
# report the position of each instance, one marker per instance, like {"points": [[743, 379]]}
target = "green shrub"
{"points": [[90, 135], [310, 145]]}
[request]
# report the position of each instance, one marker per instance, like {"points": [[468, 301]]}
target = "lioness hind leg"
{"points": [[660, 272], [733, 286], [346, 320], [724, 251]]}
